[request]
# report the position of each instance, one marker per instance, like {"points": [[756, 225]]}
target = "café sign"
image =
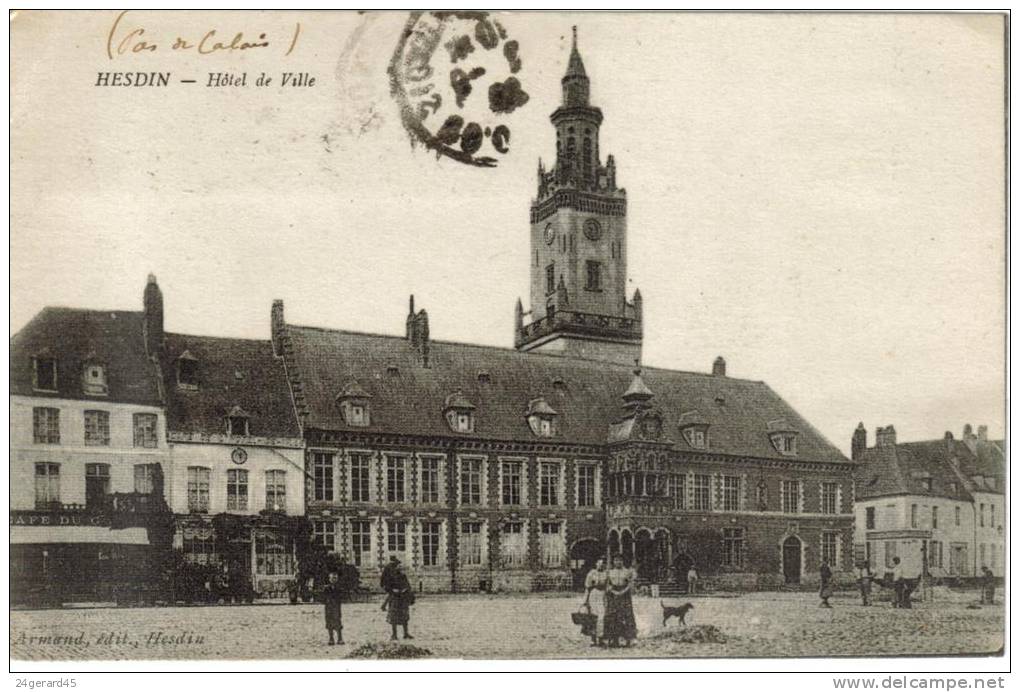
{"points": [[57, 519]]}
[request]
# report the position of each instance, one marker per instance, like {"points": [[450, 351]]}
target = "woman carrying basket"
{"points": [[595, 600]]}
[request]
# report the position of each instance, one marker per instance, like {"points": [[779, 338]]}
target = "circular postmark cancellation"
{"points": [[454, 78]]}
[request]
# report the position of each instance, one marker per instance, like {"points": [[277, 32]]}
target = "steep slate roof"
{"points": [[73, 336], [412, 400], [900, 469], [231, 372]]}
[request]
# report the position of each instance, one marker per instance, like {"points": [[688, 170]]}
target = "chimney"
{"points": [[859, 442], [276, 326], [409, 322], [518, 317], [719, 367], [983, 433], [885, 437], [418, 334], [152, 323], [969, 438], [948, 437]]}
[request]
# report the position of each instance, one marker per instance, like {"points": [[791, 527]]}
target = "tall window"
{"points": [[935, 554], [550, 279], [429, 481], [587, 476], [198, 489], [431, 533], [730, 493], [702, 493], [869, 518], [830, 547], [237, 489], [676, 488], [789, 492], [991, 515], [733, 548], [322, 476], [145, 429], [913, 516], [471, 482], [981, 515], [470, 548], [360, 475], [46, 425], [97, 428], [361, 542], [45, 374], [511, 482], [276, 490], [47, 485], [890, 553], [145, 478], [593, 276], [513, 547], [830, 498], [957, 517], [97, 483], [934, 517], [549, 483], [552, 546], [324, 533], [395, 479], [396, 537]]}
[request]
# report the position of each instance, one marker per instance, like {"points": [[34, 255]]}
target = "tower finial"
{"points": [[574, 29]]}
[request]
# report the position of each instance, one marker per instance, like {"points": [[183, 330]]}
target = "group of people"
{"points": [[399, 599], [608, 597]]}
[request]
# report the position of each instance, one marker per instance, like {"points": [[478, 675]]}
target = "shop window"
{"points": [[199, 546]]}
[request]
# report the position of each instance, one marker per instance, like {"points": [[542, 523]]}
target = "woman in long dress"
{"points": [[595, 599], [619, 605]]}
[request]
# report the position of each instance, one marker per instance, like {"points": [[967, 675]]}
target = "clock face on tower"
{"points": [[592, 230], [550, 234]]}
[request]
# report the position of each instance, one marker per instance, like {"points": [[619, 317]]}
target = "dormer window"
{"points": [[354, 405], [460, 413], [94, 379], [783, 437], [44, 375], [541, 418], [694, 428], [187, 371], [237, 422]]}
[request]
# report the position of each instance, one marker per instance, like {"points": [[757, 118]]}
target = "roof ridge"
{"points": [[220, 338]]}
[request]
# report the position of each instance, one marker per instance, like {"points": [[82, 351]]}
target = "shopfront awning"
{"points": [[22, 535]]}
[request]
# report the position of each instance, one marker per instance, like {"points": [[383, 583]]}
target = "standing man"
{"points": [[332, 595], [399, 597], [863, 574], [899, 585], [987, 586], [825, 592], [692, 581]]}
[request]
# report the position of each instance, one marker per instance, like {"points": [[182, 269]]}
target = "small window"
{"points": [[238, 425], [785, 443], [145, 430], [464, 422], [94, 379], [696, 437], [550, 279], [594, 276], [187, 371], [45, 374], [357, 414]]}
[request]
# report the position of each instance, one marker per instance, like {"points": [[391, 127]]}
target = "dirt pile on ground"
{"points": [[390, 650], [695, 634]]}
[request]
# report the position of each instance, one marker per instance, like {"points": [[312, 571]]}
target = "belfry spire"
{"points": [[575, 81]]}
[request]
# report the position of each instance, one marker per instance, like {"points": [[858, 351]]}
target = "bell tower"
{"points": [[578, 255]]}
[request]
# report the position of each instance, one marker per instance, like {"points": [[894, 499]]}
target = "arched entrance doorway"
{"points": [[644, 554], [583, 555], [792, 560], [613, 548]]}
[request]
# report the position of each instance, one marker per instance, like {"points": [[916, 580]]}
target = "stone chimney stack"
{"points": [[969, 438], [859, 442], [719, 367], [409, 322], [948, 437], [276, 326], [885, 437], [152, 324], [418, 333]]}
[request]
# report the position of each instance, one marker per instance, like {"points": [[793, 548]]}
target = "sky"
{"points": [[817, 198]]}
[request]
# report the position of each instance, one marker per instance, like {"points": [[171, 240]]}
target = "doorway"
{"points": [[791, 560]]}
